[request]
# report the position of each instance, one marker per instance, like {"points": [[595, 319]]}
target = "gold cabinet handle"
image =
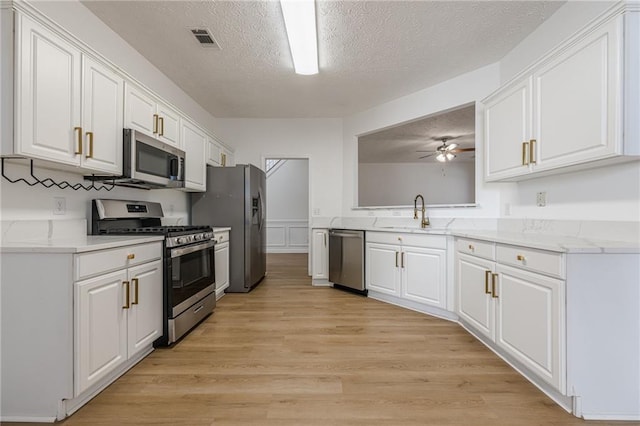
{"points": [[396, 259], [161, 126], [155, 123], [136, 282], [487, 274], [520, 257], [223, 159], [525, 148], [79, 130], [127, 302], [90, 136], [493, 286], [131, 256], [532, 151], [471, 247], [324, 237], [402, 260]]}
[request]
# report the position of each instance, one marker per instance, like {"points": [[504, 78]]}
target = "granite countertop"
{"points": [[557, 243], [76, 244]]}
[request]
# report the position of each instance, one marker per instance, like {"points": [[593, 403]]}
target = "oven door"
{"points": [[192, 275]]}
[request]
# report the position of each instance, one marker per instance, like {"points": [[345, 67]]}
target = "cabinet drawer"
{"points": [[101, 261], [426, 241], [478, 248], [542, 261], [221, 237]]}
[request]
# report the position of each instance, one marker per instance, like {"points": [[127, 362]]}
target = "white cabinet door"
{"points": [[144, 322], [169, 125], [320, 254], [47, 101], [195, 146], [101, 327], [214, 153], [383, 263], [103, 115], [221, 262], [507, 132], [530, 323], [140, 111], [475, 304], [576, 102], [423, 275]]}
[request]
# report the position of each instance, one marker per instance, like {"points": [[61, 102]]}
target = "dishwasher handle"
{"points": [[345, 234]]}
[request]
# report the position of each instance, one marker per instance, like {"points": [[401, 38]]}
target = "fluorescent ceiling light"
{"points": [[300, 22]]}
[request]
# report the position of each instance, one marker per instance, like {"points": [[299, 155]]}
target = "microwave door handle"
{"points": [[174, 168]]}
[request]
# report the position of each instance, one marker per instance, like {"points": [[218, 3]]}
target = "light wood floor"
{"points": [[292, 354]]}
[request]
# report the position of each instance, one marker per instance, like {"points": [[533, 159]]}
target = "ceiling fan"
{"points": [[446, 152]]}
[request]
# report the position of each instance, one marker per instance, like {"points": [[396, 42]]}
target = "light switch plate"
{"points": [[541, 199], [59, 205]]}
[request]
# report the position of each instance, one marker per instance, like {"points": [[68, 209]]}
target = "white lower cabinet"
{"points": [[92, 316], [320, 255], [522, 312], [221, 262], [407, 267]]}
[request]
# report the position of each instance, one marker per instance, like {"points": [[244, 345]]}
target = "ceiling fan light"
{"points": [[441, 157], [450, 156]]}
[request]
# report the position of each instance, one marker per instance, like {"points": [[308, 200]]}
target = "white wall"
{"points": [[396, 184], [288, 191], [464, 89], [605, 193], [319, 140]]}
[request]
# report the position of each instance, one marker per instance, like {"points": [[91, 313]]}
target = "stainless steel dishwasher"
{"points": [[346, 259]]}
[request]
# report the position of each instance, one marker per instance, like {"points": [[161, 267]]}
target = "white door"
{"points": [[576, 102], [169, 125], [48, 84], [140, 111], [475, 304], [101, 327], [423, 275], [507, 132], [195, 148], [320, 254], [530, 322], [103, 115], [221, 264], [383, 268], [145, 322]]}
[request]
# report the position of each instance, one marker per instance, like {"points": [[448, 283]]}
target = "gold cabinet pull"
{"points": [[396, 259], [79, 130], [324, 238], [402, 260], [131, 256], [155, 123], [161, 126], [223, 159], [90, 136], [127, 301], [532, 151], [525, 148], [471, 247], [520, 257], [493, 286], [135, 282], [487, 274]]}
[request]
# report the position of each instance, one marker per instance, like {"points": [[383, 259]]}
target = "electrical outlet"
{"points": [[171, 209], [316, 212], [59, 205], [541, 199]]}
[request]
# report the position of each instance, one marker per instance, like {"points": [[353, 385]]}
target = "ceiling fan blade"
{"points": [[427, 156], [462, 150]]}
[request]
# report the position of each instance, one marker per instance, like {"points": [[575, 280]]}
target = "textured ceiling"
{"points": [[370, 52], [408, 142]]}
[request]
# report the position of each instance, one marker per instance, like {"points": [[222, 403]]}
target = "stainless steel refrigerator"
{"points": [[235, 197]]}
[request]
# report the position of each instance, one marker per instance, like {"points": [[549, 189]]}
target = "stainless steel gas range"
{"points": [[189, 278]]}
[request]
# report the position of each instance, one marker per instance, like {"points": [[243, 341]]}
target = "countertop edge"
{"points": [[77, 245]]}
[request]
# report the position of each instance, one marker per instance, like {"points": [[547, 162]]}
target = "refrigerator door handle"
{"points": [[260, 213]]}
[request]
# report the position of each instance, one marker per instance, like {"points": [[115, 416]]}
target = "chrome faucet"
{"points": [[425, 221]]}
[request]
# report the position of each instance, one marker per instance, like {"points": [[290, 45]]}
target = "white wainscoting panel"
{"points": [[287, 236]]}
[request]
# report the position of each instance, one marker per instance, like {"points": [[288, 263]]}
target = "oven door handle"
{"points": [[181, 251]]}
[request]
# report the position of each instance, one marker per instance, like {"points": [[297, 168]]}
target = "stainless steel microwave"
{"points": [[148, 163]]}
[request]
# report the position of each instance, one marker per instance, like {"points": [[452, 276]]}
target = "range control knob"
{"points": [[197, 237], [180, 240]]}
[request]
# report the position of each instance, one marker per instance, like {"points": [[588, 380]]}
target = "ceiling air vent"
{"points": [[205, 38]]}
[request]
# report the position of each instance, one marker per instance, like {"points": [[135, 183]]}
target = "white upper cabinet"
{"points": [[68, 106], [195, 147], [103, 107], [570, 109], [146, 114], [214, 153], [47, 103]]}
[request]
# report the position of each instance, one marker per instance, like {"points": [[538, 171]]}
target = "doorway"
{"points": [[287, 204]]}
